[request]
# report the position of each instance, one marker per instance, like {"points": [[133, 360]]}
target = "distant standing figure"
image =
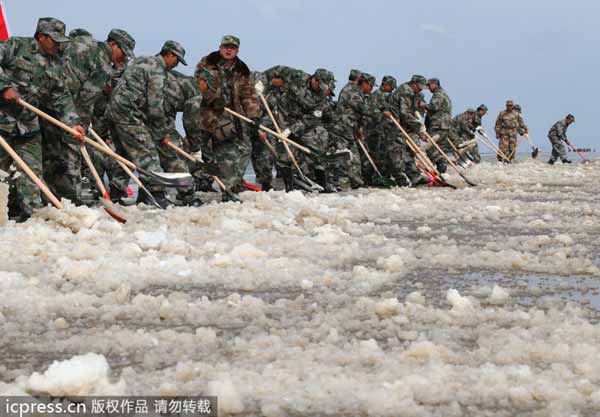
{"points": [[558, 135], [508, 124]]}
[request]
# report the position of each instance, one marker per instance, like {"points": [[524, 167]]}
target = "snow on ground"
{"points": [[415, 302]]}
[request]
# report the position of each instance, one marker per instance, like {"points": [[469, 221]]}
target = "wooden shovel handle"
{"points": [[43, 187]]}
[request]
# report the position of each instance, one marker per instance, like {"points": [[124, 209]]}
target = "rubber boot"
{"points": [[321, 179], [288, 178]]}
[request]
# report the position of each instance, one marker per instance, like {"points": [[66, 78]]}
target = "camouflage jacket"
{"points": [[351, 110], [476, 121], [439, 111], [88, 67], [101, 104], [39, 80], [178, 89], [139, 98], [378, 102], [509, 124], [231, 84], [558, 132], [404, 104], [462, 126], [301, 108]]}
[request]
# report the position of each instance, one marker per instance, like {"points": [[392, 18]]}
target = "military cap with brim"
{"points": [[230, 40], [176, 48], [124, 40], [570, 117], [354, 74], [419, 80], [509, 103], [52, 27], [325, 78], [482, 107], [368, 78], [79, 32], [433, 81], [388, 79]]}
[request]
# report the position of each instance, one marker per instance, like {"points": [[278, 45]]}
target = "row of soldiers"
{"points": [[133, 102]]}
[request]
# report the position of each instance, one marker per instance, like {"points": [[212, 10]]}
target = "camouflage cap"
{"points": [[206, 75], [79, 32], [354, 74], [509, 103], [230, 40], [433, 81], [470, 111], [571, 117], [482, 107], [518, 107], [176, 48], [124, 40], [368, 78], [326, 78], [52, 27], [419, 80], [388, 79]]}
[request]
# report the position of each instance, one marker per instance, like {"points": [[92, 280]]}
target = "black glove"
{"points": [[255, 128], [218, 105]]}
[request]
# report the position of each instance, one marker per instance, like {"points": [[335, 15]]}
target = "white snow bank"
{"points": [[79, 376]]}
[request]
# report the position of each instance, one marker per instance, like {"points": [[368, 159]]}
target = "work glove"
{"points": [[218, 105]]}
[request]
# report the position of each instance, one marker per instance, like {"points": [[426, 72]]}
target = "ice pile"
{"points": [[380, 302]]}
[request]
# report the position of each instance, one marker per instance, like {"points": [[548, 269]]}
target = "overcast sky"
{"points": [[541, 53]]}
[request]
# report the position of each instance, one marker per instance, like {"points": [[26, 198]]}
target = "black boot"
{"points": [[288, 178], [566, 161], [551, 161], [159, 196], [321, 179], [266, 186]]}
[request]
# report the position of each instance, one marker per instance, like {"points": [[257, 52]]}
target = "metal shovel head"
{"points": [[307, 185], [535, 153]]}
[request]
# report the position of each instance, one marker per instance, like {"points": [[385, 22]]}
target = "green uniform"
{"points": [[39, 80]]}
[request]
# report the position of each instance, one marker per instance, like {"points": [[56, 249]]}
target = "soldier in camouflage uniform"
{"points": [[405, 101], [473, 153], [225, 82], [438, 122], [262, 158], [121, 45], [558, 135], [462, 128], [336, 141], [86, 70], [137, 113], [306, 109], [376, 131], [351, 113], [31, 68], [508, 124]]}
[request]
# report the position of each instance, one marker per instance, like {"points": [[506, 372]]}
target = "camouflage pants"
{"points": [[558, 150], [508, 146], [474, 153], [317, 138], [61, 162], [443, 142], [400, 160], [24, 194], [262, 161], [351, 168], [375, 143], [170, 161], [232, 157], [135, 143], [192, 145]]}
